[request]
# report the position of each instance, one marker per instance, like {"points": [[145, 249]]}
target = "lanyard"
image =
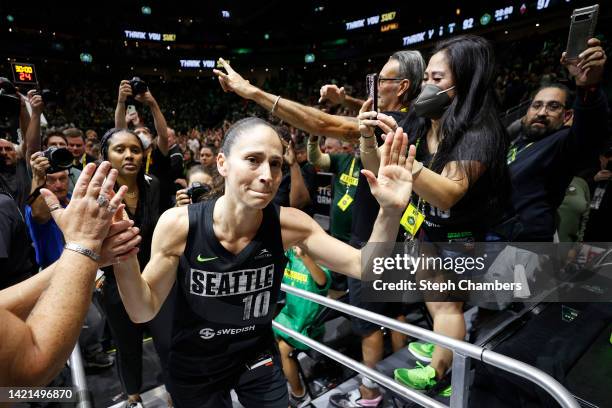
{"points": [[514, 151], [148, 163]]}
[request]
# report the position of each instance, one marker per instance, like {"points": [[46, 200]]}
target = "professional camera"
{"points": [[59, 159], [9, 100], [197, 191], [139, 86]]}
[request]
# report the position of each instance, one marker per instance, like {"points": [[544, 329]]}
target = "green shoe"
{"points": [[420, 378], [447, 392], [422, 351]]}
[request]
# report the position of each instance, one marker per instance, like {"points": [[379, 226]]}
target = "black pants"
{"points": [[128, 336], [261, 387]]}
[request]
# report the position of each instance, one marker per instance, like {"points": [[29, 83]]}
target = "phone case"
{"points": [[583, 22]]}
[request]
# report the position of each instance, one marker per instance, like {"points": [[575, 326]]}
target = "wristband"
{"points": [[33, 195], [71, 246]]}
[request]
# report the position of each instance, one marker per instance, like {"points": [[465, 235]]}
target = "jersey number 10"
{"points": [[259, 308]]}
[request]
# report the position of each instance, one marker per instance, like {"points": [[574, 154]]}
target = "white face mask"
{"points": [[144, 139]]}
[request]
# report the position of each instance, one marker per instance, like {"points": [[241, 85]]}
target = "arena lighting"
{"points": [[309, 59], [146, 10], [86, 57], [266, 36], [458, 11], [10, 18], [224, 14]]}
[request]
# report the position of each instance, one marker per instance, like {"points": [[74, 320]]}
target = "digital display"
{"points": [[487, 17], [372, 21], [200, 63], [24, 73], [143, 35]]}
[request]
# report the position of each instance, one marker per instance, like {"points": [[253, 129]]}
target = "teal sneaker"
{"points": [[419, 378], [422, 351]]}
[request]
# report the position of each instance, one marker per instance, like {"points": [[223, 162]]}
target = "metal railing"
{"points": [[462, 352], [79, 381]]}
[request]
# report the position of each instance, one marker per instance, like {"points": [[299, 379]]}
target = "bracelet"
{"points": [[416, 168], [82, 250], [275, 103], [367, 137]]}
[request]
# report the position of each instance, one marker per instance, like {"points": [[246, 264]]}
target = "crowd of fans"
{"points": [[164, 153]]}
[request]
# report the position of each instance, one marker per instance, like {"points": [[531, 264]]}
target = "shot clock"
{"points": [[24, 73]]}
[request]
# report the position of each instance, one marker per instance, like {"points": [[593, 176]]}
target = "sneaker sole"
{"points": [[419, 356]]}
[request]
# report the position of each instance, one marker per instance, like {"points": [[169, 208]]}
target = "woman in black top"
{"points": [[227, 256], [461, 178], [124, 150]]}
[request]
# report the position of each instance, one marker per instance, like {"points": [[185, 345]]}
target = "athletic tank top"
{"points": [[226, 302]]}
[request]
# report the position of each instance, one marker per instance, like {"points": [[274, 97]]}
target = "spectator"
{"points": [[189, 159], [298, 186], [210, 180], [124, 150], [545, 156], [164, 159], [208, 156], [464, 183], [76, 145], [30, 318], [600, 225], [56, 138], [299, 315], [49, 243]]}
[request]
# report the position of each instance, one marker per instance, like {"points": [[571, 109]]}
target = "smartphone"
{"points": [[131, 109], [372, 89], [609, 165], [582, 27]]}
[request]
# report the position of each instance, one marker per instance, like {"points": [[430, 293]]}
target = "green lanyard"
{"points": [[514, 151]]}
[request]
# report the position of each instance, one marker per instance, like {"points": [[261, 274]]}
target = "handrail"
{"points": [[544, 380], [78, 378], [362, 369]]}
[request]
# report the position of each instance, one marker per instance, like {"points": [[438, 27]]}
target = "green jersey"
{"points": [[299, 313]]}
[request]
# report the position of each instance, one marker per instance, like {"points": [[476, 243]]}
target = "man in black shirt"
{"points": [[546, 154], [17, 261], [299, 183]]}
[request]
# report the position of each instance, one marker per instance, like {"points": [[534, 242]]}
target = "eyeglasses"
{"points": [[381, 79], [552, 106]]}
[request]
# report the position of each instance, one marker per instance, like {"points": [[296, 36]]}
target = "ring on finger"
{"points": [[102, 201], [111, 209], [54, 207]]}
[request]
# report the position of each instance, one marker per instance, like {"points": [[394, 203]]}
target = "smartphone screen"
{"points": [[372, 89]]}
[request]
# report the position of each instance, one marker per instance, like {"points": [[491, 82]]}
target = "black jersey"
{"points": [[225, 302]]}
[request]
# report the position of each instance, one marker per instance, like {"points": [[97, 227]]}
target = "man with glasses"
{"points": [[555, 141]]}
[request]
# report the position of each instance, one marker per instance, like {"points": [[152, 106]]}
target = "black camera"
{"points": [[59, 159], [139, 86], [9, 100], [197, 191]]}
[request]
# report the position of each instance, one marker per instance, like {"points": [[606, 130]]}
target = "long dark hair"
{"points": [[149, 219], [474, 113]]}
